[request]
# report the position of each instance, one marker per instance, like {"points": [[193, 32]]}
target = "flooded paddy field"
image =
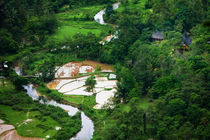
{"points": [[70, 80]]}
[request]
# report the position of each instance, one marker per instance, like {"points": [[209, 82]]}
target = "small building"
{"points": [[157, 36], [187, 42]]}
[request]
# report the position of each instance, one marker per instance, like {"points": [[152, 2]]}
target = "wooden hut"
{"points": [[157, 36]]}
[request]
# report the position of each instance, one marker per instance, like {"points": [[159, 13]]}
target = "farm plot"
{"points": [[71, 78]]}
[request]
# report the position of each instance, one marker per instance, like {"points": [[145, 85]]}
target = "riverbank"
{"points": [[29, 118]]}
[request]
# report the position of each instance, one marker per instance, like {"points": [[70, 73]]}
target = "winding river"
{"points": [[86, 132]]}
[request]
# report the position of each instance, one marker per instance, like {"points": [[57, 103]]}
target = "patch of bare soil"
{"points": [[53, 84], [75, 68], [5, 127], [94, 65], [12, 135], [7, 132]]}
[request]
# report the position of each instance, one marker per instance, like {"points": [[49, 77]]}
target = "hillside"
{"points": [[104, 69]]}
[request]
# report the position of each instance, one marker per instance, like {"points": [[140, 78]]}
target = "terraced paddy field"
{"points": [[71, 78], [80, 21]]}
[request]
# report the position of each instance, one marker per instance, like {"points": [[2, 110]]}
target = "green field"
{"points": [[77, 99], [68, 30], [80, 20], [80, 13], [40, 126], [88, 101]]}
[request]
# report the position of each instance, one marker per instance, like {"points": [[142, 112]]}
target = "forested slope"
{"points": [[163, 86], [175, 79]]}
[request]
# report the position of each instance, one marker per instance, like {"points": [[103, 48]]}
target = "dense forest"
{"points": [[163, 88]]}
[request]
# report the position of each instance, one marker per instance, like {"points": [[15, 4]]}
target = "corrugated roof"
{"points": [[157, 35]]}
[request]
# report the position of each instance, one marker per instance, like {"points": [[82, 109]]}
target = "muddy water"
{"points": [[87, 130]]}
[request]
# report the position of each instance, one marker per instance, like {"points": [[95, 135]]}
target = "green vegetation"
{"points": [[52, 94], [32, 119], [79, 21], [77, 99], [39, 126], [145, 103], [131, 5], [160, 70], [136, 6], [90, 83], [163, 85]]}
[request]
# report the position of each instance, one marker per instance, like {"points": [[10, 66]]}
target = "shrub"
{"points": [[90, 83]]}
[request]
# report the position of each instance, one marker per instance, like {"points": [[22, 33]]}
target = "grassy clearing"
{"points": [[40, 126], [80, 13], [80, 20], [88, 101], [77, 99], [84, 27], [15, 109]]}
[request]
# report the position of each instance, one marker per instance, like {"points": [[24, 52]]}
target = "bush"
{"points": [[90, 83]]}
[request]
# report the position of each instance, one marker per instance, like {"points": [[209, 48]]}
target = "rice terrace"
{"points": [[104, 70]]}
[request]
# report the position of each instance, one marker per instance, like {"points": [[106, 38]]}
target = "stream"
{"points": [[99, 18], [87, 129], [86, 132]]}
